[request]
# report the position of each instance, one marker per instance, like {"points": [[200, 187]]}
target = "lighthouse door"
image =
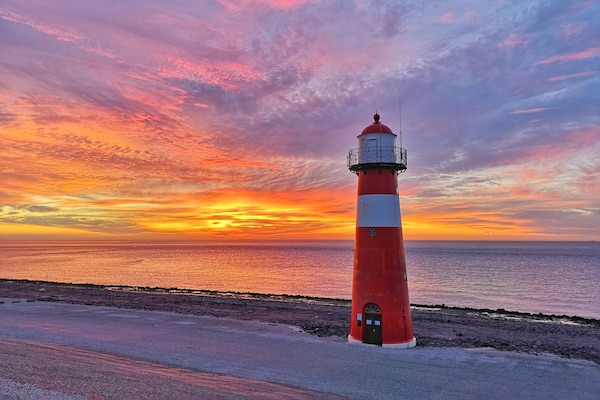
{"points": [[372, 327]]}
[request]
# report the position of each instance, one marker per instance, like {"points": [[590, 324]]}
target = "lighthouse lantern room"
{"points": [[380, 303]]}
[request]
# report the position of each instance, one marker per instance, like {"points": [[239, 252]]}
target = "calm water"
{"points": [[557, 278]]}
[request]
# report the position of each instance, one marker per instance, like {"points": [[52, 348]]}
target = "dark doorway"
{"points": [[372, 326]]}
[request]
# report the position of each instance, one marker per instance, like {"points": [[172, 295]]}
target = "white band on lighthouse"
{"points": [[378, 210]]}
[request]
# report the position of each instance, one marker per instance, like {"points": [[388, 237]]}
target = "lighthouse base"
{"points": [[403, 345]]}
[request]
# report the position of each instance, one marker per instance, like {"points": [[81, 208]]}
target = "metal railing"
{"points": [[389, 157]]}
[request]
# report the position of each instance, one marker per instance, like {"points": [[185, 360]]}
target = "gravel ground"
{"points": [[12, 390], [53, 350], [34, 371], [571, 337]]}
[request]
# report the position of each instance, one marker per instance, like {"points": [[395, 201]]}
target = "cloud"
{"points": [[529, 111], [573, 76], [234, 118], [447, 17], [574, 29], [40, 209], [581, 55], [515, 40]]}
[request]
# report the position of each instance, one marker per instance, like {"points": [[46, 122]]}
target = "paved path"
{"points": [[261, 352]]}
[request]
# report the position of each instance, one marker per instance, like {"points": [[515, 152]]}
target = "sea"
{"points": [[561, 278]]}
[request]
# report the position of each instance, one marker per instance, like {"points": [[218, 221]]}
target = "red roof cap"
{"points": [[377, 127]]}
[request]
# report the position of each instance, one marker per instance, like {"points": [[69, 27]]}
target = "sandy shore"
{"points": [[570, 337]]}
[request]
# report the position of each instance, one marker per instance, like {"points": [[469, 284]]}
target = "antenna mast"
{"points": [[400, 115]]}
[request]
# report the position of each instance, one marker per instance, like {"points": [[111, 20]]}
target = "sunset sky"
{"points": [[201, 119]]}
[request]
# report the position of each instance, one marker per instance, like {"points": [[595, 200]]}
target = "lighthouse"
{"points": [[380, 304]]}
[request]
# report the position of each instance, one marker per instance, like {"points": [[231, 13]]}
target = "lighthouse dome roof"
{"points": [[377, 127]]}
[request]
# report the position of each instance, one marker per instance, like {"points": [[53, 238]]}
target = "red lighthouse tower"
{"points": [[380, 305]]}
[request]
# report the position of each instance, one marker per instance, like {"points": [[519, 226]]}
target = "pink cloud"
{"points": [[469, 15], [571, 76], [582, 55], [280, 4], [226, 75], [573, 29], [529, 111], [287, 4], [514, 40], [447, 17], [69, 36], [57, 33]]}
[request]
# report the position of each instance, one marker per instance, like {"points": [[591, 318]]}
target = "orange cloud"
{"points": [[85, 183]]}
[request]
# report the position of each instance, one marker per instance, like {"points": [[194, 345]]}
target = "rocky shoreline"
{"points": [[434, 326]]}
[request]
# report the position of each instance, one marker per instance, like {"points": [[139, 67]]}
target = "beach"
{"points": [[434, 326], [451, 330]]}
